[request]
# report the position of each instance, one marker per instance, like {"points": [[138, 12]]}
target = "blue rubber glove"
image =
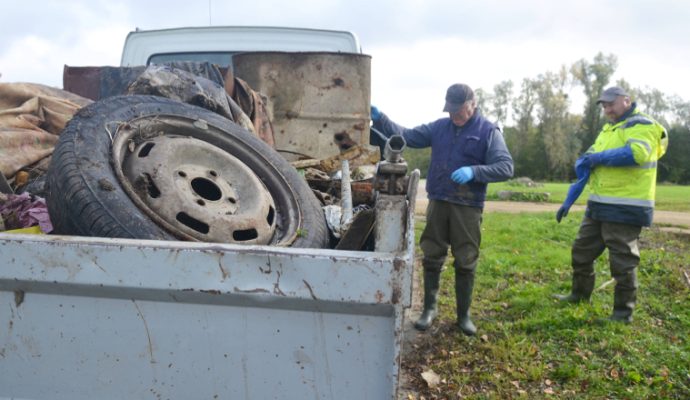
{"points": [[574, 191], [462, 175], [375, 113], [583, 166], [618, 157]]}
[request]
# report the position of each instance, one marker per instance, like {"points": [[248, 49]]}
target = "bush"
{"points": [[508, 195]]}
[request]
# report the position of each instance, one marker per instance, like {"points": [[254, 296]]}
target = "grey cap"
{"points": [[611, 93], [456, 96]]}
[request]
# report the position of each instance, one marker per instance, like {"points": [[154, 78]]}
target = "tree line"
{"points": [[545, 137]]}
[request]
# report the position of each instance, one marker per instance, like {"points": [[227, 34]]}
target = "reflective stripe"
{"points": [[642, 142], [637, 119], [647, 165], [621, 200]]}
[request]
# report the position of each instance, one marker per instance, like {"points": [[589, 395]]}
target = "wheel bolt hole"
{"points": [[244, 235], [271, 215], [232, 200], [201, 202], [206, 189], [213, 173], [193, 223], [182, 174], [146, 149]]}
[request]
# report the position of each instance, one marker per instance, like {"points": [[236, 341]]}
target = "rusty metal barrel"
{"points": [[318, 102]]}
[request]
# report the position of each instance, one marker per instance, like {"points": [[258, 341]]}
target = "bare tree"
{"points": [[503, 93], [555, 127], [594, 77]]}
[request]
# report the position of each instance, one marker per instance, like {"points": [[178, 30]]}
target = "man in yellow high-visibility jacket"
{"points": [[621, 168]]}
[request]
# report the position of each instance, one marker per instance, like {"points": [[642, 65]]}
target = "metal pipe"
{"points": [[345, 197], [394, 148]]}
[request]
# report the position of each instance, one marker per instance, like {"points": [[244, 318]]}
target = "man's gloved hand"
{"points": [[618, 157], [574, 191], [375, 113], [562, 212], [462, 175]]}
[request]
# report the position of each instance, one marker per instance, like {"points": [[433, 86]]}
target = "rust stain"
{"points": [[95, 262], [223, 272], [276, 286], [398, 264], [311, 291], [18, 297], [344, 141], [211, 291], [148, 333], [258, 290], [268, 264], [395, 297], [379, 296], [338, 82]]}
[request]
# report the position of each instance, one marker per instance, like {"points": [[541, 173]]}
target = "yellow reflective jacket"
{"points": [[633, 185]]}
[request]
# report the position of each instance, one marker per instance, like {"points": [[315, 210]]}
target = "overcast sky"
{"points": [[418, 47]]}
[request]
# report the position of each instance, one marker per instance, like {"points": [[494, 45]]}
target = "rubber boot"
{"points": [[623, 305], [463, 298], [583, 285], [431, 284]]}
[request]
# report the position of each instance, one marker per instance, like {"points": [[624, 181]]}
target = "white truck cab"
{"points": [[217, 44]]}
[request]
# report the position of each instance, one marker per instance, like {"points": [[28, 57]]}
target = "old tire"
{"points": [[90, 194]]}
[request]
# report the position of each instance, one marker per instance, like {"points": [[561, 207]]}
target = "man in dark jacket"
{"points": [[467, 152]]}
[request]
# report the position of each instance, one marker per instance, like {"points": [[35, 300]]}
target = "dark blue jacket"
{"points": [[479, 143]]}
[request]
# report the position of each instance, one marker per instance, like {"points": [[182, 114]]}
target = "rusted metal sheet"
{"points": [[84, 81], [318, 102]]}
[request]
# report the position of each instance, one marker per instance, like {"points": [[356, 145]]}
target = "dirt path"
{"points": [[673, 218]]}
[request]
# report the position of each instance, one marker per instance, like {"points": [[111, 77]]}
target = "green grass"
{"points": [[530, 346], [668, 197]]}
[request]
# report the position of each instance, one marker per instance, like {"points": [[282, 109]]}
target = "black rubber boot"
{"points": [[431, 284], [463, 298], [623, 305], [583, 286]]}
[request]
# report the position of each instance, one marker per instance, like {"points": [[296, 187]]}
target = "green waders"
{"points": [[624, 256], [432, 280]]}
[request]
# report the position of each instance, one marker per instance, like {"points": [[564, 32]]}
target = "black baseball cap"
{"points": [[456, 96]]}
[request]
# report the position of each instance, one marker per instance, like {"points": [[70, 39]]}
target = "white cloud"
{"points": [[41, 60], [419, 47]]}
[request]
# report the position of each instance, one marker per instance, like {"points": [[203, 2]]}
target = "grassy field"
{"points": [[668, 197], [530, 346]]}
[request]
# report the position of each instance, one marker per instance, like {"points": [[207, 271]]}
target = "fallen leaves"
{"points": [[613, 373], [431, 378]]}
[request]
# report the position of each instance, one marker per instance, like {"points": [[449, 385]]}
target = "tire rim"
{"points": [[196, 190]]}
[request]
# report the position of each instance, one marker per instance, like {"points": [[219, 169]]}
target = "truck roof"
{"points": [[166, 44]]}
